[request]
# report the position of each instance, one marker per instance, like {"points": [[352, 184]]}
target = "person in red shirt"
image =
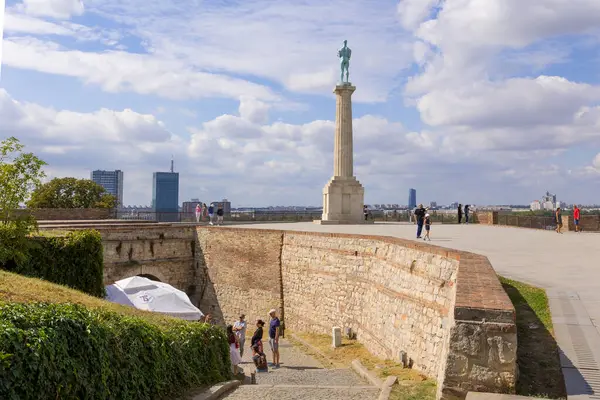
{"points": [[576, 214]]}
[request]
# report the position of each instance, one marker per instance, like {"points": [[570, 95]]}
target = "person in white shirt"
{"points": [[239, 328]]}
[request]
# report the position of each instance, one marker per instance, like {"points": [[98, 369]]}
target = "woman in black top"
{"points": [[258, 334]]}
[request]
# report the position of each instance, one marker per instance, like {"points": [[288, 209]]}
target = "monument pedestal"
{"points": [[343, 195], [343, 200]]}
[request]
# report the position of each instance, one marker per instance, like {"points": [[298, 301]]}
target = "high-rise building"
{"points": [[165, 195], [112, 182], [412, 199]]}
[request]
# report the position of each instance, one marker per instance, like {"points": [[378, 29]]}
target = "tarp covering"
{"points": [[145, 294]]}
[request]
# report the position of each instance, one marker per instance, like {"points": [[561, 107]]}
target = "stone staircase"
{"points": [[301, 377]]}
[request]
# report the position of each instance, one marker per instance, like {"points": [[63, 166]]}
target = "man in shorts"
{"points": [[576, 216], [274, 328]]}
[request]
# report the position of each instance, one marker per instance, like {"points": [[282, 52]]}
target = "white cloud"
{"points": [[413, 12], [254, 110], [546, 100], [118, 71], [103, 135], [596, 162], [290, 43], [255, 163], [60, 9]]}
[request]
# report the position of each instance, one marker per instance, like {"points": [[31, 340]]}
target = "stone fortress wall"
{"points": [[444, 309]]}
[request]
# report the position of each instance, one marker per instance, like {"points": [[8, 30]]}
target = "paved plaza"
{"points": [[567, 266]]}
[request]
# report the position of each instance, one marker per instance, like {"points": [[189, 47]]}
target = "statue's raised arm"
{"points": [[344, 55]]}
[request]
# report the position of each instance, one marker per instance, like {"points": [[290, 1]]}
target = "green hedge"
{"points": [[65, 351], [75, 260]]}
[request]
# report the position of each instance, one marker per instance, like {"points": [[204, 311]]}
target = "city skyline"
{"points": [[482, 102]]}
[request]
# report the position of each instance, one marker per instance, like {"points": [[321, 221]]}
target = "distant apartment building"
{"points": [[111, 181], [433, 204], [535, 205], [225, 204], [412, 199], [165, 196]]}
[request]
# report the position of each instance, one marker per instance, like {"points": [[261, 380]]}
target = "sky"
{"points": [[475, 101]]}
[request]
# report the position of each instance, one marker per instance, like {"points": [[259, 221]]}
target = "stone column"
{"points": [[343, 195], [343, 150]]}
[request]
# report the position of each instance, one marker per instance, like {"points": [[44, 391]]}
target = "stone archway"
{"points": [[150, 276]]}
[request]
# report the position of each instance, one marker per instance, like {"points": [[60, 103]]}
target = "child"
{"points": [[427, 227], [234, 353]]}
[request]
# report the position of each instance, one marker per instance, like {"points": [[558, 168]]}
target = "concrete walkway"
{"points": [[300, 377], [567, 266]]}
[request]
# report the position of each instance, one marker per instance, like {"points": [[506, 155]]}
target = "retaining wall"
{"points": [[446, 309]]}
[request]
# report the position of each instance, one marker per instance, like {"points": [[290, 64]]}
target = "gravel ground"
{"points": [[247, 392], [299, 369]]}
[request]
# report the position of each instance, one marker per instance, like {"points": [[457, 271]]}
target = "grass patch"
{"points": [[540, 374], [411, 384], [21, 289]]}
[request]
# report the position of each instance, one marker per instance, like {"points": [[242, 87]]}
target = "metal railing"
{"points": [[286, 216], [527, 221]]}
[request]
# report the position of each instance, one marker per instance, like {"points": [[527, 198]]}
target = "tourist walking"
{"points": [[460, 213], [576, 216], [204, 211], [198, 212], [366, 212], [420, 216], [274, 328], [466, 213], [240, 331], [234, 353], [558, 216], [220, 214], [211, 214], [427, 227], [258, 355]]}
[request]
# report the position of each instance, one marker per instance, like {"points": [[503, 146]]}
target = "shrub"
{"points": [[75, 260], [65, 351]]}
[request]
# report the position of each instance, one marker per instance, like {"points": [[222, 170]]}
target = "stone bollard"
{"points": [[337, 336]]}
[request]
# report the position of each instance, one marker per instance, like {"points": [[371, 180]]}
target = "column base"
{"points": [[331, 222], [343, 200]]}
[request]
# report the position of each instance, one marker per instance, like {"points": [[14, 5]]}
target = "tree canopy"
{"points": [[71, 193], [20, 174]]}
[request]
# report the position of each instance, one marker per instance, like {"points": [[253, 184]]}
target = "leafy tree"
{"points": [[20, 174], [71, 193]]}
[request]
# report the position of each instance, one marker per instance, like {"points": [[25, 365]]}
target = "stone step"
{"points": [[310, 377], [302, 392]]}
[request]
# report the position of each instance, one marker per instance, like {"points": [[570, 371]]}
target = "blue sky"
{"points": [[477, 101]]}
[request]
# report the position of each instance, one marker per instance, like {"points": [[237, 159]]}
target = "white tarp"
{"points": [[145, 294]]}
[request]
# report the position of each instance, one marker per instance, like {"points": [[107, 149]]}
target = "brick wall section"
{"points": [[487, 217], [244, 272], [69, 214], [396, 298]]}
